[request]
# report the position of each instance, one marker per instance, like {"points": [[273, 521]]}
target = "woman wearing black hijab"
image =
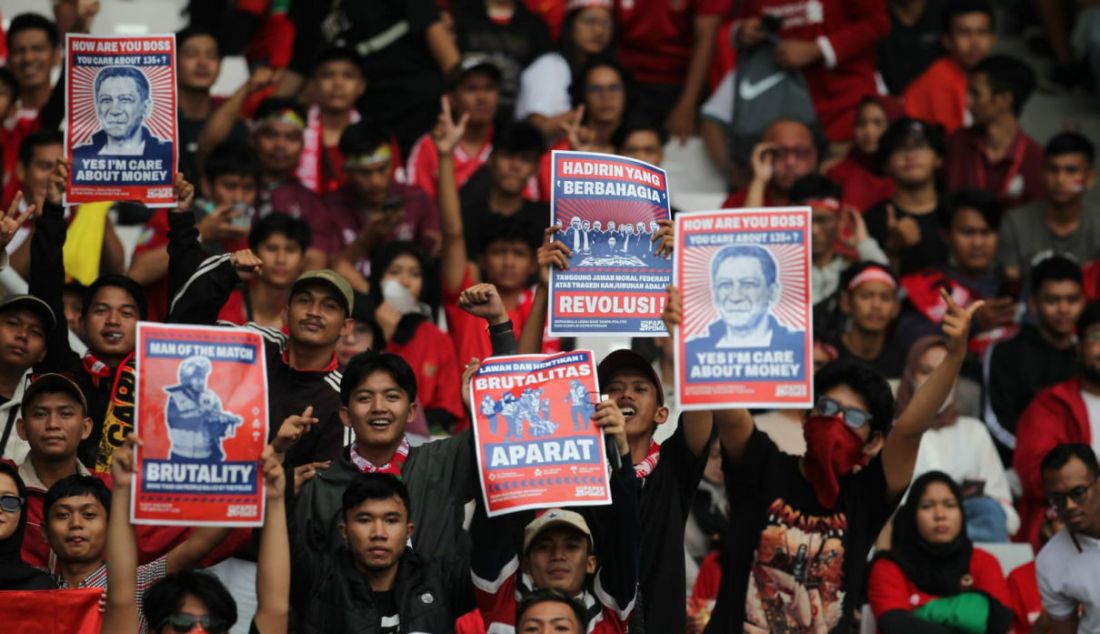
{"points": [[14, 574], [933, 580]]}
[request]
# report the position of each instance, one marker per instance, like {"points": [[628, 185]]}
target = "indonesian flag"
{"points": [[52, 611]]}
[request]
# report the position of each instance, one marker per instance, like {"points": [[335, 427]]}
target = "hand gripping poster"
{"points": [[202, 415], [609, 208], [121, 129], [746, 338], [536, 444]]}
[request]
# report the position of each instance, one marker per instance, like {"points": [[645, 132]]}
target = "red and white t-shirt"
{"points": [[423, 166]]}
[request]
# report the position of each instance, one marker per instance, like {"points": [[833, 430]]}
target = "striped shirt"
{"points": [[147, 575]]}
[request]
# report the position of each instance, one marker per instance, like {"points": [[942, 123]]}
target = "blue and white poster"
{"points": [[609, 208]]}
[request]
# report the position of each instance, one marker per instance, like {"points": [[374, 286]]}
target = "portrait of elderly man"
{"points": [[745, 289], [123, 103]]}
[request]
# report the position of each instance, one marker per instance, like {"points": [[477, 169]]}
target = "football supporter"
{"points": [[786, 153], [859, 174], [1039, 356], [337, 81], [907, 224], [913, 43], [199, 64], [280, 242], [939, 95], [933, 578], [995, 153], [374, 578], [14, 573], [1062, 413], [869, 298], [473, 96], [832, 43], [819, 505], [546, 611]]}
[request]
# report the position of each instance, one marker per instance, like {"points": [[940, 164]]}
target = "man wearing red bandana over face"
{"points": [[796, 558]]}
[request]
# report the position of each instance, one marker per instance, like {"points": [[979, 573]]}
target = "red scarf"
{"points": [[309, 165], [832, 451], [118, 421], [649, 463], [393, 467]]}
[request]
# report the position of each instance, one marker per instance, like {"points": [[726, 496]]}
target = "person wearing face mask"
{"points": [[796, 557], [14, 574], [961, 447], [403, 309], [933, 580]]}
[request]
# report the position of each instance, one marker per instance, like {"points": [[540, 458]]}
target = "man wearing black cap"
{"points": [[474, 93], [24, 322], [907, 225], [670, 473], [113, 304]]}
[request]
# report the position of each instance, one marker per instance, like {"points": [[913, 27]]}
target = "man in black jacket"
{"points": [[301, 366], [375, 582], [113, 304]]}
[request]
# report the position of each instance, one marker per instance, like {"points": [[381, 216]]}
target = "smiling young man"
{"points": [[113, 304], [76, 510], [1068, 566], [796, 558], [378, 400], [373, 580]]}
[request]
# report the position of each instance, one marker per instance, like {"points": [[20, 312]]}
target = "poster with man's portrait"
{"points": [[609, 208], [201, 413], [121, 128], [746, 339]]}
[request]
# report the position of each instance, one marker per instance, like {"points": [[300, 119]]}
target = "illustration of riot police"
{"points": [[197, 425]]}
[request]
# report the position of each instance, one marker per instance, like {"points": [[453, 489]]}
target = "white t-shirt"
{"points": [[965, 451], [1092, 405], [544, 87], [1068, 579]]}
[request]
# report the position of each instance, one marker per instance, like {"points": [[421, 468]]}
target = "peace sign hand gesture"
{"points": [[447, 133], [956, 323], [12, 220]]}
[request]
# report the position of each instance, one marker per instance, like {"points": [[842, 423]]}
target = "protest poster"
{"points": [[746, 338], [202, 414], [608, 207], [536, 444], [121, 129], [74, 611]]}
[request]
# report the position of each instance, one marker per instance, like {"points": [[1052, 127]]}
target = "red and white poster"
{"points": [[202, 415], [536, 444], [747, 334], [121, 129]]}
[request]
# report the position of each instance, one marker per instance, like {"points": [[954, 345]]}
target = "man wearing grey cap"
{"points": [[24, 322]]}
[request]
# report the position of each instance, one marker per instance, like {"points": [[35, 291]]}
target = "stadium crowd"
{"points": [[374, 201]]}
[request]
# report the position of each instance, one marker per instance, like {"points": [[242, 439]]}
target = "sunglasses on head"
{"points": [[10, 503], [853, 417], [183, 623]]}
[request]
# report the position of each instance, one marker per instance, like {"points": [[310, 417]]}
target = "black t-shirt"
{"points": [[787, 558], [388, 614], [930, 251], [890, 361], [512, 45], [665, 503], [476, 213], [910, 49]]}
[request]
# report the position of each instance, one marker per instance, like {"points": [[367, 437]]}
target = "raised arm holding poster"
{"points": [[536, 444], [609, 208], [202, 416], [121, 127], [746, 339]]}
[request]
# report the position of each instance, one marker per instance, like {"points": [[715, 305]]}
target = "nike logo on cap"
{"points": [[750, 90]]}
